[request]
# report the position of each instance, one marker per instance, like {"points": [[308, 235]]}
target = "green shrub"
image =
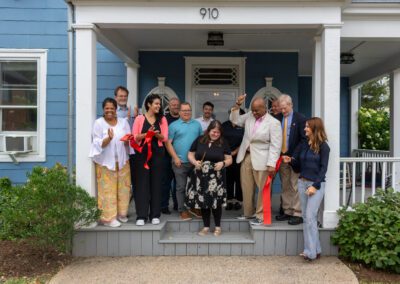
{"points": [[371, 232], [46, 210], [374, 129]]}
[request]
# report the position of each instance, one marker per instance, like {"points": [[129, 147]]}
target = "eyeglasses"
{"points": [[185, 110]]}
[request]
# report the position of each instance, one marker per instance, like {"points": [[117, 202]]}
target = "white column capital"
{"points": [[332, 26], [132, 65], [84, 26], [317, 38]]}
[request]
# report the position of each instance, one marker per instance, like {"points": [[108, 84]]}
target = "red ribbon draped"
{"points": [[267, 195], [147, 141]]}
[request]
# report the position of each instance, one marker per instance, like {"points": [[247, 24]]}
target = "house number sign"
{"points": [[209, 13]]}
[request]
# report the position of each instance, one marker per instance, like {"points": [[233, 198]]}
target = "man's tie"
{"points": [[284, 148]]}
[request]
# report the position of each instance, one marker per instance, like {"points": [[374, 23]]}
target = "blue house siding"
{"points": [[41, 24], [281, 66], [28, 24], [305, 95]]}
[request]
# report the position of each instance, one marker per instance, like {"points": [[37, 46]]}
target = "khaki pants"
{"points": [[249, 179], [290, 195]]}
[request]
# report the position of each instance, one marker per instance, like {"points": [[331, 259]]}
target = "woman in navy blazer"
{"points": [[311, 160]]}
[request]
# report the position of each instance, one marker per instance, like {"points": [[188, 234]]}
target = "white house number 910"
{"points": [[209, 13]]}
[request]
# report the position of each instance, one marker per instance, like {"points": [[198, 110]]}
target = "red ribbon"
{"points": [[147, 141], [267, 195]]}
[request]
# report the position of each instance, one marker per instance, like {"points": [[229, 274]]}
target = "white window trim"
{"points": [[41, 56], [212, 61]]}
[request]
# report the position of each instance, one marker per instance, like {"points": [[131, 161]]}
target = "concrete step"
{"points": [[227, 225], [194, 238], [189, 243]]}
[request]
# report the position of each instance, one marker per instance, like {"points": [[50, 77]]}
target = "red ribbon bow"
{"points": [[147, 141], [267, 195]]}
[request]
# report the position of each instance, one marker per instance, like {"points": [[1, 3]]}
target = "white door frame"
{"points": [[190, 61]]}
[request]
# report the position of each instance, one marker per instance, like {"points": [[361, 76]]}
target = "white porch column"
{"points": [[330, 112], [316, 78], [86, 96], [355, 106], [395, 121], [132, 83]]}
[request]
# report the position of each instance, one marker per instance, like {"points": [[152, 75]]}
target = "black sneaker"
{"points": [[237, 206], [283, 217], [294, 220], [165, 211], [242, 217], [229, 206], [257, 222]]}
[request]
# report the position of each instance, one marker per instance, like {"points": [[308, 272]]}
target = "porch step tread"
{"points": [[194, 238]]}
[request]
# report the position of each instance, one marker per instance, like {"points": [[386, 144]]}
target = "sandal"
{"points": [[203, 232], [217, 231]]}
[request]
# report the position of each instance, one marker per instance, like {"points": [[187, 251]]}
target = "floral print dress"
{"points": [[206, 188]]}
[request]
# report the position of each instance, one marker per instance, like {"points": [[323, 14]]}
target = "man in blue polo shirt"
{"points": [[181, 135]]}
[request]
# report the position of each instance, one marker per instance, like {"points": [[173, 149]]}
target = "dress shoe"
{"points": [[237, 206], [185, 216], [175, 207], [229, 206], [195, 212], [165, 211], [283, 217], [294, 220]]}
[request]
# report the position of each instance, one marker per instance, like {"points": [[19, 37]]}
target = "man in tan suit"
{"points": [[258, 152]]}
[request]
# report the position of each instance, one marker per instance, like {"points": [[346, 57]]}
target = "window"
{"points": [[22, 104]]}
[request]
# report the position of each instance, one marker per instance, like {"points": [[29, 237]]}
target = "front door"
{"points": [[223, 100]]}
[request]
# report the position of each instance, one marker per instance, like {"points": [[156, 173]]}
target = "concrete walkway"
{"points": [[216, 269]]}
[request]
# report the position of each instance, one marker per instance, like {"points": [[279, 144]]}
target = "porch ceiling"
{"points": [[367, 53]]}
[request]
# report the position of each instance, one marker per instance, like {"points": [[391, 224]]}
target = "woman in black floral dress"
{"points": [[206, 187]]}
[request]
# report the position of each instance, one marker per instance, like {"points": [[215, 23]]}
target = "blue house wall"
{"points": [[282, 66], [28, 24]]}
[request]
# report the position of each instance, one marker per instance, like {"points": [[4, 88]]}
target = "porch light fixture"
{"points": [[215, 39], [347, 58]]}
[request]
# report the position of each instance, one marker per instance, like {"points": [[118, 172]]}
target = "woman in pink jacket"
{"points": [[150, 131]]}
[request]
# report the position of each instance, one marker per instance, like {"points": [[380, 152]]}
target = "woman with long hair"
{"points": [[148, 172], [206, 187], [111, 157], [311, 160]]}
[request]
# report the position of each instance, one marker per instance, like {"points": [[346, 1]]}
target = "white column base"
{"points": [[331, 219]]}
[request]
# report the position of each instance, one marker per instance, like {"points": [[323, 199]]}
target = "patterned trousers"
{"points": [[113, 191]]}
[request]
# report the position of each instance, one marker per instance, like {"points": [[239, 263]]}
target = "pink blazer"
{"points": [[138, 126]]}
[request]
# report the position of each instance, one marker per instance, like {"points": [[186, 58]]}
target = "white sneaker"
{"points": [[140, 222], [113, 224], [155, 221], [123, 219]]}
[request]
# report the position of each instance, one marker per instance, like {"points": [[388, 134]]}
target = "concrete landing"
{"points": [[218, 269]]}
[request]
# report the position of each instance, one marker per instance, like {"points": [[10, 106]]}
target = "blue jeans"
{"points": [[309, 207]]}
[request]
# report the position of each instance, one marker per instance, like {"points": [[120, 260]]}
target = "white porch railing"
{"points": [[364, 153], [360, 177]]}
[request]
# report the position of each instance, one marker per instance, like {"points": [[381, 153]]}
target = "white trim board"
{"points": [[190, 61]]}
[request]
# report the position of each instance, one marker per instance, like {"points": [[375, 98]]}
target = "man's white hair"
{"points": [[285, 98], [174, 99]]}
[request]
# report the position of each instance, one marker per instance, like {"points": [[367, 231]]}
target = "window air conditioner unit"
{"points": [[18, 144]]}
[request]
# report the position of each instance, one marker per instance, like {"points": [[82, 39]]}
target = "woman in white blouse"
{"points": [[111, 157]]}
